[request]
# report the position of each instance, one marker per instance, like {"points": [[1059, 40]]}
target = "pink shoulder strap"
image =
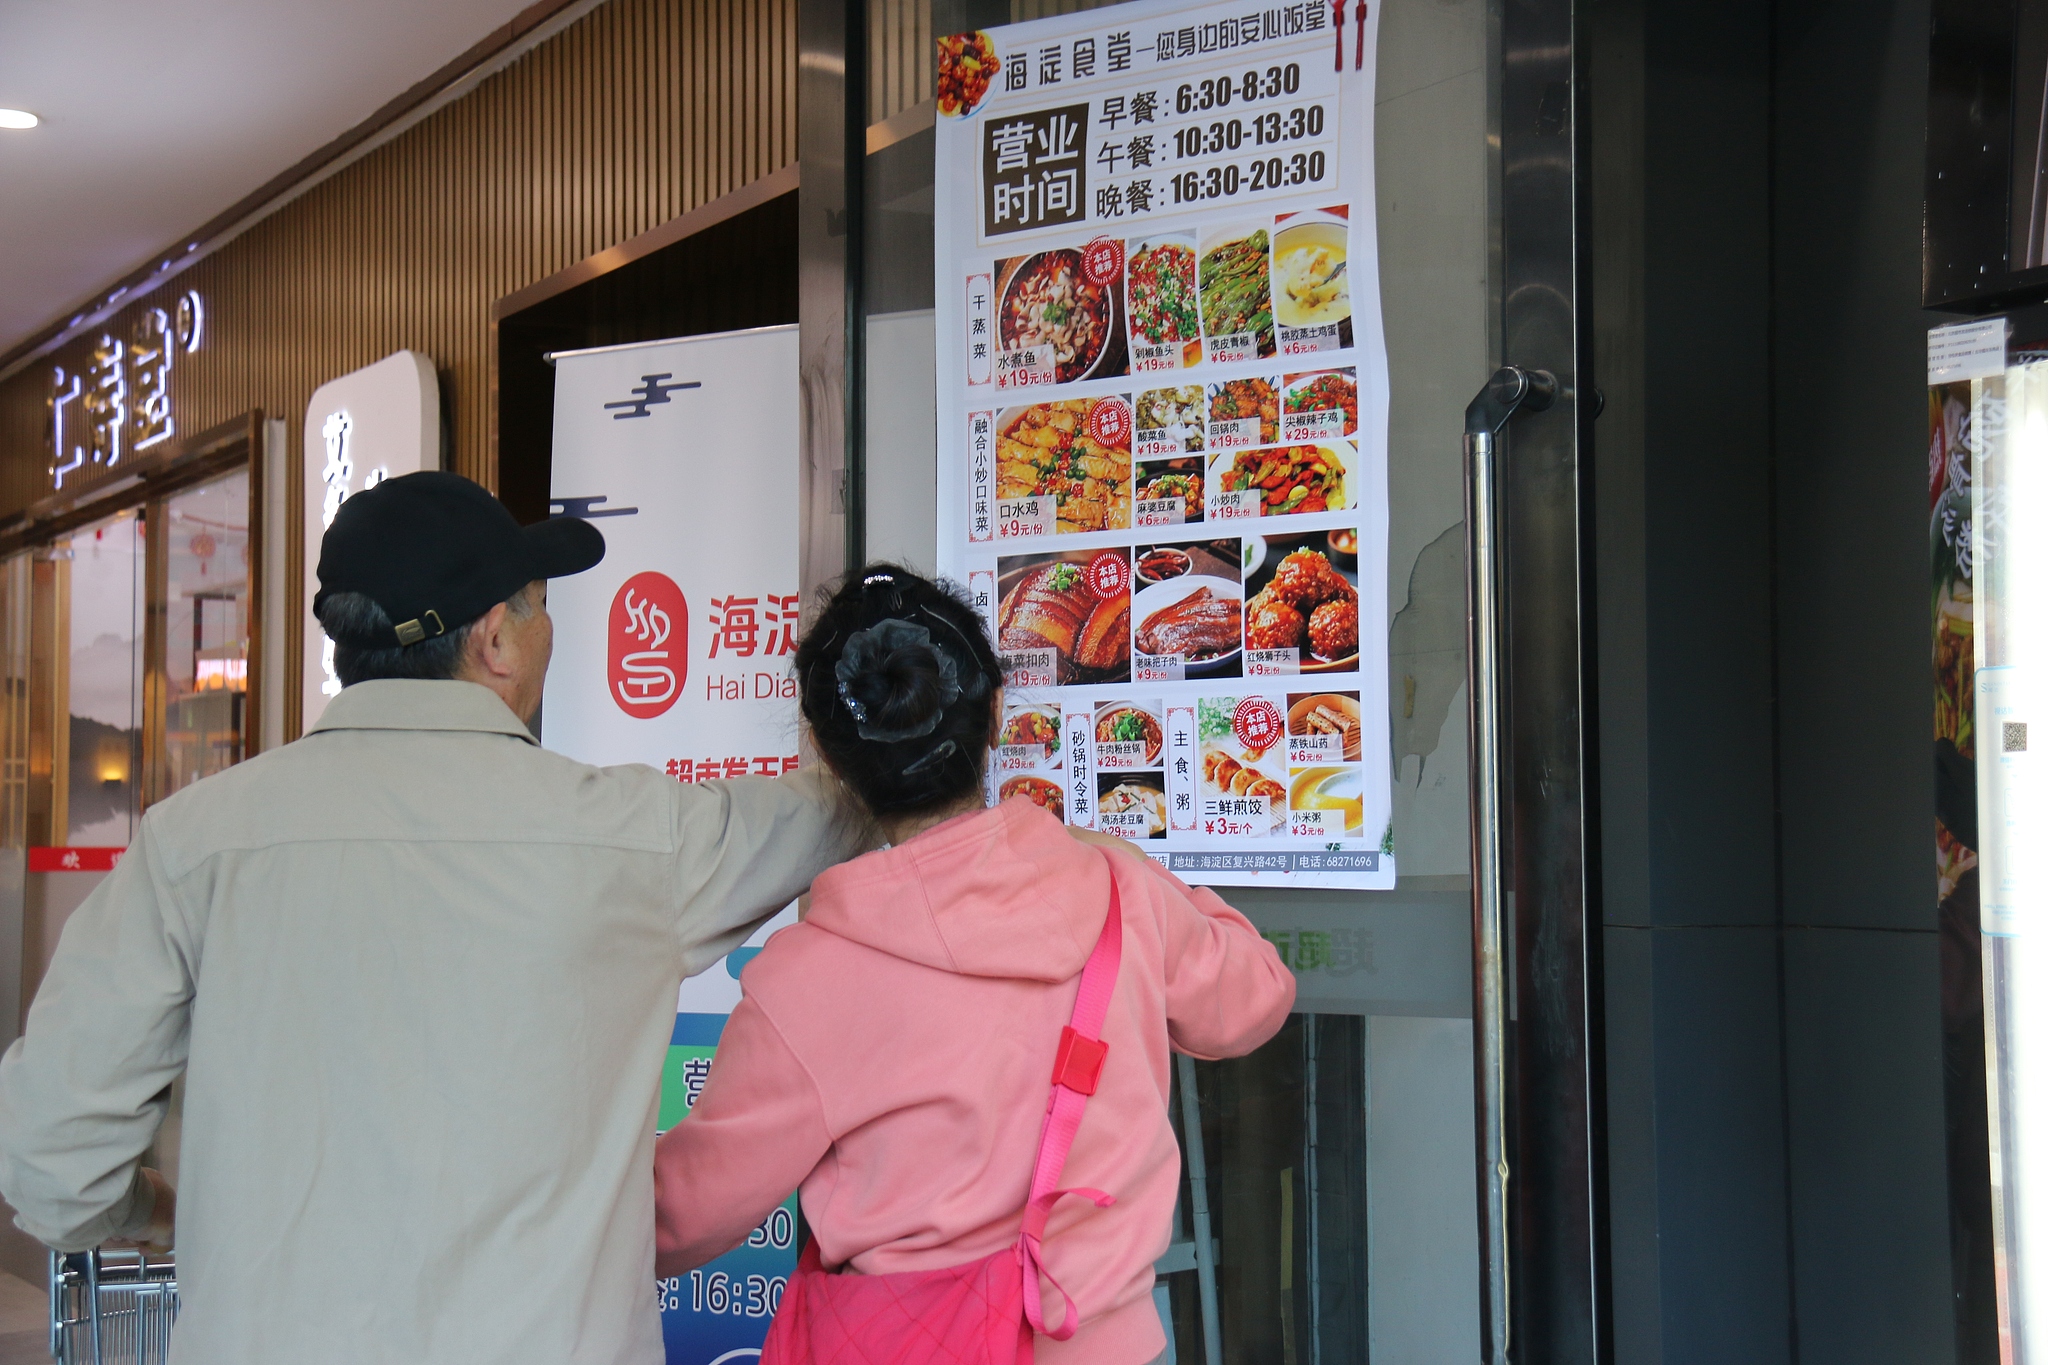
{"points": [[1076, 1071]]}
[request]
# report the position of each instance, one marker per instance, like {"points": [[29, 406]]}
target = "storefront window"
{"points": [[1336, 1216]]}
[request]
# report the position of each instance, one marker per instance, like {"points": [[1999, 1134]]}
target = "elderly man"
{"points": [[419, 975]]}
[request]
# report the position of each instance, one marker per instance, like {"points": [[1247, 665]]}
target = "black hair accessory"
{"points": [[977, 684], [941, 751], [867, 650]]}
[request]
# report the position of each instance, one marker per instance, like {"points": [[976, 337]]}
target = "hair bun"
{"points": [[895, 681], [897, 676]]}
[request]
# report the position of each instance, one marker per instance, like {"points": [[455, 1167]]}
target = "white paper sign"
{"points": [[1966, 350]]}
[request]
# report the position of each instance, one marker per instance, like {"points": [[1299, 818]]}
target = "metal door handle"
{"points": [[1509, 391]]}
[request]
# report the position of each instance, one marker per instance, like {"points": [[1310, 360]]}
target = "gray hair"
{"points": [[352, 617]]}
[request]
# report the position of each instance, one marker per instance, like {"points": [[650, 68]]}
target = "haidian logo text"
{"points": [[648, 637]]}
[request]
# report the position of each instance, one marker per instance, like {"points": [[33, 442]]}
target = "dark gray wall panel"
{"points": [[1706, 300], [1632, 1145], [1857, 785], [1720, 1146], [1869, 1194]]}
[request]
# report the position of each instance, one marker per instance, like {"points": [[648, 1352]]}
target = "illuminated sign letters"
{"points": [[121, 402]]}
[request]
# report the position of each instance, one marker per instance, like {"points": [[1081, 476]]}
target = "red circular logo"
{"points": [[1109, 573], [1256, 723], [647, 644], [1109, 423], [1102, 260]]}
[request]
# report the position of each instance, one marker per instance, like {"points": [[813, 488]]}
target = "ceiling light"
{"points": [[17, 118]]}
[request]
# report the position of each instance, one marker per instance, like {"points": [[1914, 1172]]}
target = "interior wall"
{"points": [[1775, 1107]]}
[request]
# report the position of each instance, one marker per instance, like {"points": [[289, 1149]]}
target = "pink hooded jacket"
{"points": [[893, 1056]]}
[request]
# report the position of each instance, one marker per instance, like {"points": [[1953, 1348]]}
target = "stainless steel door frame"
{"points": [[1538, 1052]]}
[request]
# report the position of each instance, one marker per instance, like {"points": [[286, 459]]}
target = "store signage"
{"points": [[119, 404], [677, 652], [369, 425], [1163, 426], [48, 859]]}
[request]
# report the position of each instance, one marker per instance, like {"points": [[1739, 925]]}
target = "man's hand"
{"points": [[163, 1219], [1089, 836]]}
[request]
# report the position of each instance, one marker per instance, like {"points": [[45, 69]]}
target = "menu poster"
{"points": [[1163, 426]]}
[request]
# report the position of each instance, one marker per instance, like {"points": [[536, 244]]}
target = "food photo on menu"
{"points": [[967, 66], [1171, 420], [1131, 805], [1188, 610], [1243, 412], [1281, 481], [1319, 403], [1074, 451], [1237, 292], [1323, 728], [1325, 786], [1064, 618], [1129, 734], [1164, 305], [1311, 284], [1170, 491], [1043, 792], [1301, 602], [1243, 786], [1052, 305], [1030, 737]]}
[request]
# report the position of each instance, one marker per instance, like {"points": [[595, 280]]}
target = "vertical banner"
{"points": [[1163, 425], [676, 652]]}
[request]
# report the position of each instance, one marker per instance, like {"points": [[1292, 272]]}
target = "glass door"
{"points": [[124, 654], [1334, 1181]]}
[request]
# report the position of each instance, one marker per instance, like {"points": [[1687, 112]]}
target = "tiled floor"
{"points": [[24, 1322]]}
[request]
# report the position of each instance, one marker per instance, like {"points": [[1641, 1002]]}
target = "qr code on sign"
{"points": [[2015, 738]]}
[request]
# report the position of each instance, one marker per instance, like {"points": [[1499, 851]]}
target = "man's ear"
{"points": [[487, 643]]}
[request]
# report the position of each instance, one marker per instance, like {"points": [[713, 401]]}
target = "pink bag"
{"points": [[984, 1312]]}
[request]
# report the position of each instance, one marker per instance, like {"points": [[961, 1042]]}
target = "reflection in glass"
{"points": [[104, 564], [1283, 1149], [205, 550]]}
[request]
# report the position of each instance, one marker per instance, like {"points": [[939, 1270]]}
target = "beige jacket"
{"points": [[420, 975]]}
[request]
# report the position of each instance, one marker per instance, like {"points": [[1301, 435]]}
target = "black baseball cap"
{"points": [[436, 551]]}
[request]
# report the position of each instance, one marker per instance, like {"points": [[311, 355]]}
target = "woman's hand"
{"points": [[1109, 841]]}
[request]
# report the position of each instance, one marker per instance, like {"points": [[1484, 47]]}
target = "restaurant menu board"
{"points": [[676, 652], [1162, 422]]}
